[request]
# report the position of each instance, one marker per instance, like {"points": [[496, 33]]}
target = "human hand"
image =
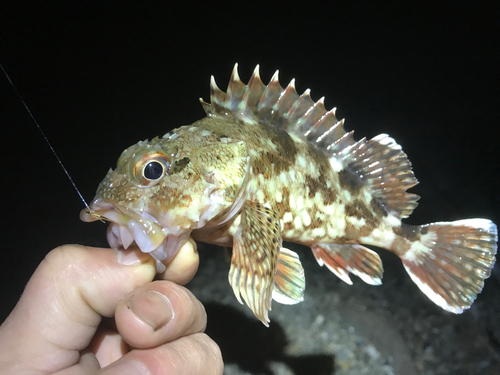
{"points": [[57, 327]]}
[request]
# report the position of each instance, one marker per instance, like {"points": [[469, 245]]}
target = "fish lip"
{"points": [[109, 210], [145, 229], [96, 209]]}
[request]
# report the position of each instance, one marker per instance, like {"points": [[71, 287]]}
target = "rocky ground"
{"points": [[341, 329]]}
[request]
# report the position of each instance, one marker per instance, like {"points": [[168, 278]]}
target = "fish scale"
{"points": [[267, 165]]}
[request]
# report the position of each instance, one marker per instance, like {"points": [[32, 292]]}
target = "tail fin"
{"points": [[451, 260]]}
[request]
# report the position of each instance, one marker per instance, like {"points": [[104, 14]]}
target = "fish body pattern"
{"points": [[268, 165]]}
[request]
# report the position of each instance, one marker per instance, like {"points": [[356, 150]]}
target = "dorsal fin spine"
{"points": [[297, 111], [213, 86], [324, 123], [275, 78], [235, 77], [315, 113], [342, 142], [218, 97]]}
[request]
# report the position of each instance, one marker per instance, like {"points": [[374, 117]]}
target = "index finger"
{"points": [[62, 305]]}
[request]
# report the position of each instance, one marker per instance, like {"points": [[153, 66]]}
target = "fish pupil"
{"points": [[153, 170]]}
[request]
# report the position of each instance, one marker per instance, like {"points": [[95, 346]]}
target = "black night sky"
{"points": [[99, 76]]}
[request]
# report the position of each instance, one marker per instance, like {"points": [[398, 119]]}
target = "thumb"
{"points": [[62, 306]]}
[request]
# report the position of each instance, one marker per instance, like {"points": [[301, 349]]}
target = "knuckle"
{"points": [[212, 353], [192, 354], [198, 321], [63, 257], [203, 320]]}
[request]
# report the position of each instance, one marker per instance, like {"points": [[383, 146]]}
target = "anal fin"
{"points": [[343, 259], [289, 282]]}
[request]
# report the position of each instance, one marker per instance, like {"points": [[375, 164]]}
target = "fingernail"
{"points": [[151, 307], [131, 257], [125, 367]]}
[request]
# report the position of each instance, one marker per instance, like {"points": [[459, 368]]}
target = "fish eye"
{"points": [[153, 170]]}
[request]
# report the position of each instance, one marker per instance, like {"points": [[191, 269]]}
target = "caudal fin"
{"points": [[451, 260]]}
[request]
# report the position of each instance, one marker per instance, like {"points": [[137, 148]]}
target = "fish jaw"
{"points": [[127, 226]]}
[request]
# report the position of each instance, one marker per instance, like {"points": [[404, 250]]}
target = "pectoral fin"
{"points": [[256, 246], [290, 282]]}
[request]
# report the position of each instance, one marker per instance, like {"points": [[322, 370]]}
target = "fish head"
{"points": [[158, 193]]}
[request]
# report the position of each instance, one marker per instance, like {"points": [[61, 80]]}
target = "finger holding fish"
{"points": [[182, 268]]}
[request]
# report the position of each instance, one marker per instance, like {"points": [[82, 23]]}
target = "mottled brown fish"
{"points": [[267, 165]]}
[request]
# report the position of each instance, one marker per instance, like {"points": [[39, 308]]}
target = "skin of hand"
{"points": [[63, 322]]}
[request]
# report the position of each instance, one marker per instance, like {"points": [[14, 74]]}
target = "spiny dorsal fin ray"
{"points": [[383, 166], [280, 107], [252, 95]]}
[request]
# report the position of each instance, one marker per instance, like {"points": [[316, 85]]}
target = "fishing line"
{"points": [[44, 136]]}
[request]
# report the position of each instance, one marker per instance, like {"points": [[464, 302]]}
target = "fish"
{"points": [[267, 165]]}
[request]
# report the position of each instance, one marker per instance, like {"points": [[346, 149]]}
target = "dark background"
{"points": [[100, 77]]}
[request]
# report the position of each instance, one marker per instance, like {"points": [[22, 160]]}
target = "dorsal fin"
{"points": [[279, 107], [383, 166], [379, 163]]}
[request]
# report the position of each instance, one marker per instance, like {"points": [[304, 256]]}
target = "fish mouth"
{"points": [[129, 228]]}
